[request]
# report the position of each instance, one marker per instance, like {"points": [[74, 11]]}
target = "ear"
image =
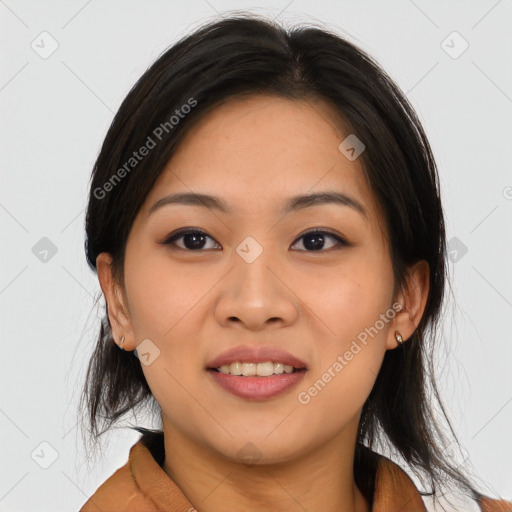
{"points": [[118, 314], [413, 300]]}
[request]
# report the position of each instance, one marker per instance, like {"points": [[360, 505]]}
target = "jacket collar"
{"points": [[394, 490]]}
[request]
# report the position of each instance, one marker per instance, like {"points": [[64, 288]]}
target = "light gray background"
{"points": [[54, 115]]}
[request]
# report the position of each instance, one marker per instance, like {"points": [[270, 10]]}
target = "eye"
{"points": [[194, 240], [315, 240]]}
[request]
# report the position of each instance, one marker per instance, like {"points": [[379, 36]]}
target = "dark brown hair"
{"points": [[244, 55]]}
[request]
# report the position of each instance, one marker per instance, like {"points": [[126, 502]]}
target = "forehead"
{"points": [[256, 152]]}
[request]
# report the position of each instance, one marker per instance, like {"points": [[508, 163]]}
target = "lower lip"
{"points": [[257, 388]]}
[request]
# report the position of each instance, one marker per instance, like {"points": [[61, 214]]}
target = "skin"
{"points": [[254, 153]]}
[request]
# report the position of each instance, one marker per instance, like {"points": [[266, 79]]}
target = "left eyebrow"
{"points": [[294, 203], [325, 197]]}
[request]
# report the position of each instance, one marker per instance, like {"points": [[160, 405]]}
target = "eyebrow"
{"points": [[295, 203]]}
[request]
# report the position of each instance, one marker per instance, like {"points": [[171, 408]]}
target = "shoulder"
{"points": [[491, 505], [393, 483], [120, 492], [141, 484], [458, 503]]}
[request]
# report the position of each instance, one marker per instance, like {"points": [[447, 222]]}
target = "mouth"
{"points": [[256, 372], [250, 385]]}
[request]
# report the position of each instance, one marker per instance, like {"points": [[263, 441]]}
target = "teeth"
{"points": [[259, 369], [249, 369]]}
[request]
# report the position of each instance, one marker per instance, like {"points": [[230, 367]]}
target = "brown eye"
{"points": [[193, 240], [315, 240]]}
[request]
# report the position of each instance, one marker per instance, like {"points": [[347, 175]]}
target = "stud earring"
{"points": [[121, 343], [399, 338]]}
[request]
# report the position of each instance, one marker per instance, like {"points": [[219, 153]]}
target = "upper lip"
{"points": [[260, 354]]}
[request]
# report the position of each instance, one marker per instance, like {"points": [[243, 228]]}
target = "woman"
{"points": [[266, 225]]}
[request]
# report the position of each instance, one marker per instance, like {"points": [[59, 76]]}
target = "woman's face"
{"points": [[256, 280]]}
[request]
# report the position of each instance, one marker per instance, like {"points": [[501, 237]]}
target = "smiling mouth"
{"points": [[253, 386]]}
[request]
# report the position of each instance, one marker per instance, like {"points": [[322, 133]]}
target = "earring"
{"points": [[399, 338], [121, 343]]}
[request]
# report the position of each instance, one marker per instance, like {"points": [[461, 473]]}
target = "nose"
{"points": [[256, 295]]}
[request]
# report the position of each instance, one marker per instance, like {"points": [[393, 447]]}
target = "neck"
{"points": [[320, 480]]}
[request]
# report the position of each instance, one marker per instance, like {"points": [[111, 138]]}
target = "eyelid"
{"points": [[169, 240]]}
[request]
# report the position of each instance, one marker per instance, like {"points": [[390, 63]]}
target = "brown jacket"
{"points": [[141, 485]]}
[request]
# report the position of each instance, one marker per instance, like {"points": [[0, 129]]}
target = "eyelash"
{"points": [[170, 240]]}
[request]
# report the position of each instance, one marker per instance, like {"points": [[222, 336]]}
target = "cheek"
{"points": [[349, 300], [163, 300], [354, 306], [160, 294], [349, 357]]}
